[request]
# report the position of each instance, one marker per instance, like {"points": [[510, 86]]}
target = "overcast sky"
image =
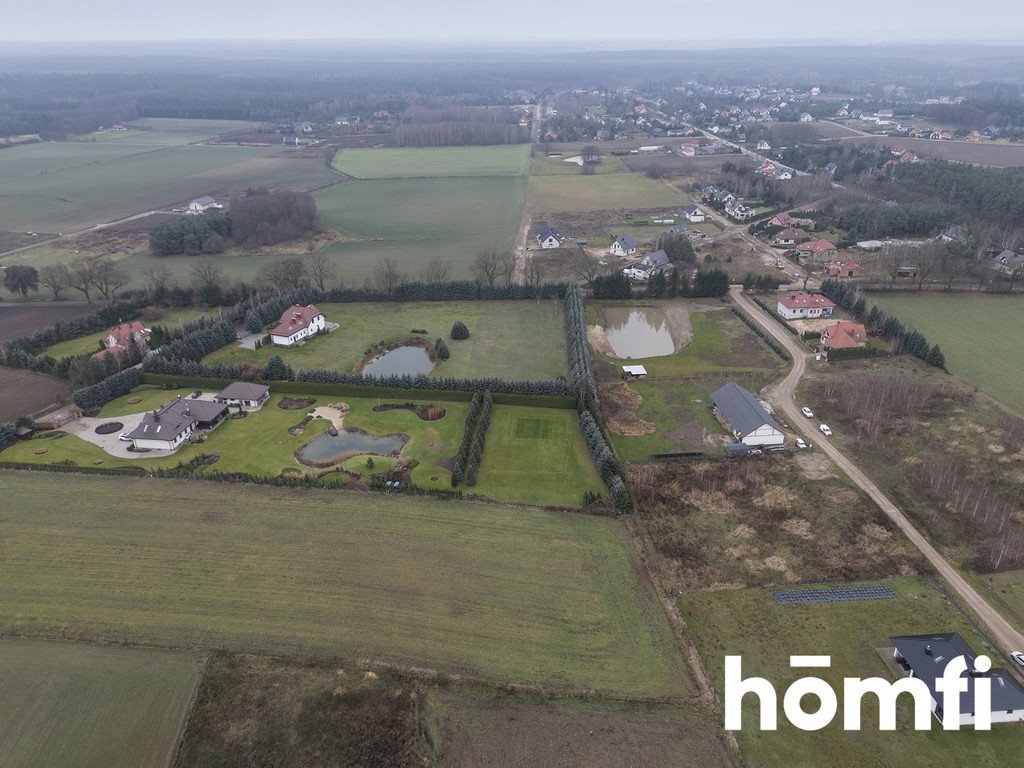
{"points": [[676, 21]]}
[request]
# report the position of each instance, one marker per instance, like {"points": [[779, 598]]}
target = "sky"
{"points": [[628, 24]]}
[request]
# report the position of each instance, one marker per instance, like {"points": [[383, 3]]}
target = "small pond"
{"points": [[637, 332], [328, 449], [402, 361]]}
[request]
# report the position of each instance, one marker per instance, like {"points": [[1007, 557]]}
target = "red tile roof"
{"points": [[800, 299], [845, 335], [294, 319], [123, 335]]}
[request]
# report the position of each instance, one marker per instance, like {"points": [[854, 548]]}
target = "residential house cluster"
{"points": [[773, 170], [733, 205]]}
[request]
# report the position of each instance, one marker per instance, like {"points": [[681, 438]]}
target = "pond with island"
{"points": [[638, 332], [332, 448]]}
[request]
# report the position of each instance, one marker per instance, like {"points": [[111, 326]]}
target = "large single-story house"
{"points": [[694, 214], [782, 220], [749, 421], [801, 304], [926, 656], [121, 336], [243, 394], [173, 423], [297, 323], [624, 245], [791, 236], [549, 237], [843, 268], [844, 335], [204, 203], [818, 250]]}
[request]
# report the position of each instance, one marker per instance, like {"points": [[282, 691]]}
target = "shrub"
{"points": [[459, 331], [441, 350]]}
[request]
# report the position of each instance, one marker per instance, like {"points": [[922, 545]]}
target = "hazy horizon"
{"points": [[576, 23]]}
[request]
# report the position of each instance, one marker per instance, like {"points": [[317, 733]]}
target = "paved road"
{"points": [[784, 393]]}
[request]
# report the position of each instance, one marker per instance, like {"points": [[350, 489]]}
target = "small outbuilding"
{"points": [[243, 394], [634, 372]]}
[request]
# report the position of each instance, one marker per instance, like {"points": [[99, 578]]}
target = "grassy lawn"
{"points": [[508, 339], [752, 624], [507, 594], [415, 220], [600, 192], [86, 345], [74, 704], [971, 329], [90, 184], [416, 162], [536, 455]]}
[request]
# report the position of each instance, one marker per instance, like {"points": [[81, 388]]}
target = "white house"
{"points": [[204, 203], [243, 394], [806, 118], [624, 245], [694, 214], [173, 423], [746, 417], [926, 656], [297, 323], [763, 145], [800, 304], [549, 237]]}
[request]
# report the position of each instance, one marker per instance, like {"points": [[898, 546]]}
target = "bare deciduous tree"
{"points": [[82, 276], [206, 274], [54, 277], [535, 272], [109, 278], [437, 270], [486, 267], [285, 275], [321, 270], [158, 278], [584, 266], [387, 276], [507, 266]]}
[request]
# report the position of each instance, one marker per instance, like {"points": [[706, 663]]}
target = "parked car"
{"points": [[802, 445], [1018, 657], [124, 436], [825, 430], [807, 412], [196, 394]]}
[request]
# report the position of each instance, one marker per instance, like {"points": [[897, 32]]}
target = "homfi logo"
{"points": [[950, 687]]}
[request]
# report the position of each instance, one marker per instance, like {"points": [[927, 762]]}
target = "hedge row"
{"points": [[476, 452], [91, 399], [581, 373], [771, 311], [604, 459], [766, 337], [468, 429]]}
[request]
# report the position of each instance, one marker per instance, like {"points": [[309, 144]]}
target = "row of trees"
{"points": [[88, 275], [581, 373], [605, 461], [874, 220], [884, 324], [471, 449]]}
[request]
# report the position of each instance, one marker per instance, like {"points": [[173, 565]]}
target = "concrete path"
{"points": [[784, 393]]}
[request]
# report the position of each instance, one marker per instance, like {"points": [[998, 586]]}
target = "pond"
{"points": [[329, 449], [407, 360], [638, 332]]}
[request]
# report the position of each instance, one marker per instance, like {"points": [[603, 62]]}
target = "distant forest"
{"points": [[56, 91]]}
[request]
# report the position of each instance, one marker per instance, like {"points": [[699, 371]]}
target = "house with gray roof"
{"points": [[201, 204], [749, 421], [1008, 262], [243, 394], [549, 237], [171, 425], [624, 245], [926, 656]]}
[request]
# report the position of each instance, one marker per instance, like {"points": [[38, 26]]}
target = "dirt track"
{"points": [[784, 394]]}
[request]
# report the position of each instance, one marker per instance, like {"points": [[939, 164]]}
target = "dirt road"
{"points": [[783, 395]]}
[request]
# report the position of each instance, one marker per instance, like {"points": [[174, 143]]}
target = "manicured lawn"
{"points": [[600, 192], [508, 339], [507, 594], [85, 345], [67, 704], [752, 624], [415, 162], [538, 456], [971, 330]]}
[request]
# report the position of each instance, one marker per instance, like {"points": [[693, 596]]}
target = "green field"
{"points": [[751, 623], [536, 455], [85, 345], [64, 704], [408, 163], [600, 192], [70, 186], [971, 329], [504, 593], [508, 339], [548, 468], [170, 131]]}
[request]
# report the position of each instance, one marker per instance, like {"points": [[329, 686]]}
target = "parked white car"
{"points": [[801, 444], [124, 436], [807, 412], [1019, 658], [825, 430]]}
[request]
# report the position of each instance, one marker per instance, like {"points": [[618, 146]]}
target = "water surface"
{"points": [[410, 360], [636, 332], [348, 442]]}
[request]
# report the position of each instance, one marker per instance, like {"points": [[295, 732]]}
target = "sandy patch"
{"points": [[798, 526], [333, 413], [996, 448], [599, 340]]}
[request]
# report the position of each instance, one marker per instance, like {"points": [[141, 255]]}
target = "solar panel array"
{"points": [[833, 595]]}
